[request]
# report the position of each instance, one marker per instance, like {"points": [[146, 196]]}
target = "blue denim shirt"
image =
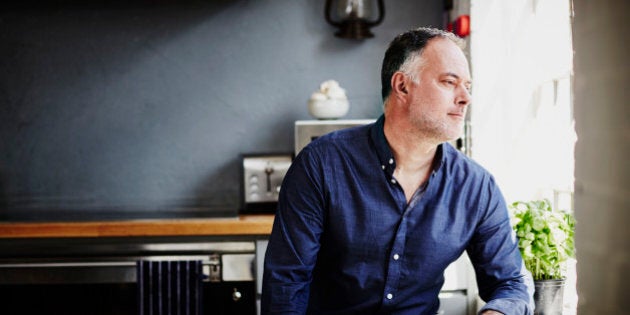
{"points": [[345, 240]]}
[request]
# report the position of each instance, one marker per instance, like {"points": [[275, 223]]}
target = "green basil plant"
{"points": [[546, 237]]}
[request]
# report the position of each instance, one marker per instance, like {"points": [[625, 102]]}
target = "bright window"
{"points": [[521, 116]]}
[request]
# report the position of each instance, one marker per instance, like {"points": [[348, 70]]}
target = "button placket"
{"points": [[393, 180], [394, 268]]}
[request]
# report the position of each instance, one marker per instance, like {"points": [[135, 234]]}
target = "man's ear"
{"points": [[399, 83]]}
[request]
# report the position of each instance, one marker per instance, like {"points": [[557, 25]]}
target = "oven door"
{"points": [[109, 284]]}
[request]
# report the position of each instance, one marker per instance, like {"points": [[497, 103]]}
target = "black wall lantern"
{"points": [[354, 17]]}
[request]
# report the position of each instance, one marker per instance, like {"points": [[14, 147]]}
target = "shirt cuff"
{"points": [[508, 307]]}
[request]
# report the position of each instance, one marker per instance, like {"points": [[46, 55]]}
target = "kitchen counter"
{"points": [[241, 225], [92, 259]]}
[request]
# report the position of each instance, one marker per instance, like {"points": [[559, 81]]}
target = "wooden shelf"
{"points": [[242, 225]]}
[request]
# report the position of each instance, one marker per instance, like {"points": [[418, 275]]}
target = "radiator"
{"points": [[169, 287]]}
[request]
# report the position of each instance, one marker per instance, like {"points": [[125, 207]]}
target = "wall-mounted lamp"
{"points": [[354, 17]]}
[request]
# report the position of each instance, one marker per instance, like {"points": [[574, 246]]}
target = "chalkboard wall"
{"points": [[143, 109]]}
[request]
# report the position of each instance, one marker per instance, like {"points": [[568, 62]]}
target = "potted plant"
{"points": [[546, 242]]}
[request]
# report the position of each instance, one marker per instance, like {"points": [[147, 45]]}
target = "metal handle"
{"points": [[268, 171], [236, 295]]}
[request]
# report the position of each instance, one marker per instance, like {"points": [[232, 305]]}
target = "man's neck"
{"points": [[410, 150], [414, 157]]}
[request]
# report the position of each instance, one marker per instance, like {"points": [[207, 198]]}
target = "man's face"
{"points": [[438, 102]]}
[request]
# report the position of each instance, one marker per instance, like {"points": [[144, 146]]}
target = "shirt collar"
{"points": [[384, 152]]}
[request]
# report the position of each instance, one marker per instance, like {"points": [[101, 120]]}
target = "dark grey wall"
{"points": [[146, 108]]}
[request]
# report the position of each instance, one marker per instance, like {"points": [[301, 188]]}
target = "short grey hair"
{"points": [[405, 52]]}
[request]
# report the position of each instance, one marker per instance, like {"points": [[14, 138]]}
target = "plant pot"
{"points": [[548, 297]]}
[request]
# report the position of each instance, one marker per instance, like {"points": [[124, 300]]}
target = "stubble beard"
{"points": [[437, 130]]}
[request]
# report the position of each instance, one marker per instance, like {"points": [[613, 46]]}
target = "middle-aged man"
{"points": [[369, 217]]}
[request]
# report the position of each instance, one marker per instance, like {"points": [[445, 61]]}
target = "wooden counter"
{"points": [[242, 225]]}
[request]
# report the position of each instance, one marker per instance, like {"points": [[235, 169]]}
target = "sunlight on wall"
{"points": [[522, 114], [521, 117]]}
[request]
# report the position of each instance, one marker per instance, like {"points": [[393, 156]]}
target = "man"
{"points": [[369, 217]]}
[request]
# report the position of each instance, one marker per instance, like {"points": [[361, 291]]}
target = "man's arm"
{"points": [[501, 277], [294, 241]]}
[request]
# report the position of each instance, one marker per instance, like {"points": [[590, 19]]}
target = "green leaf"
{"points": [[545, 237], [538, 224]]}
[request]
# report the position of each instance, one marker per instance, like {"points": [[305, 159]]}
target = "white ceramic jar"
{"points": [[329, 102], [329, 108]]}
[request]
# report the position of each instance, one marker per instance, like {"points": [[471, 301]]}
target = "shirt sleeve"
{"points": [[504, 283], [294, 241]]}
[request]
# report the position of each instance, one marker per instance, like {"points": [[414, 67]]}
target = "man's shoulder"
{"points": [[458, 161], [347, 138]]}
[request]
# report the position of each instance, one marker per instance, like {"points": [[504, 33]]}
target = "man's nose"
{"points": [[463, 98]]}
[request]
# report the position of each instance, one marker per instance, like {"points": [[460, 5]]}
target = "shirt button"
{"points": [[393, 181], [396, 256], [383, 167], [390, 296], [391, 161]]}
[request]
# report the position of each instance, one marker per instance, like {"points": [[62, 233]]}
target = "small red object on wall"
{"points": [[461, 26]]}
